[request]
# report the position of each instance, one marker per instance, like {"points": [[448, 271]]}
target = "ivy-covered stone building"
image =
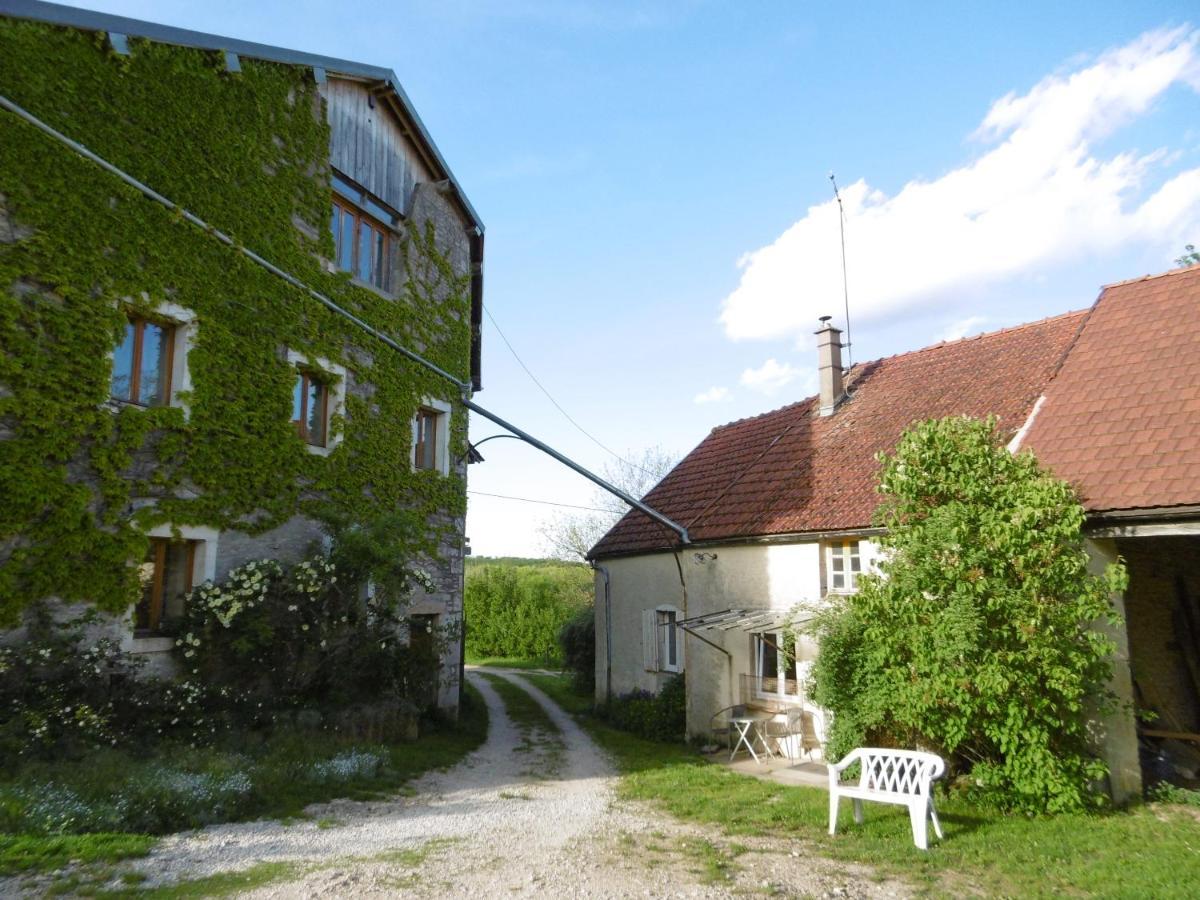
{"points": [[170, 408]]}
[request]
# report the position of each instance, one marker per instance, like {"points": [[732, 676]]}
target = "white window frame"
{"points": [[442, 437], [204, 569], [655, 640], [665, 629], [337, 396], [184, 323], [782, 675], [850, 550]]}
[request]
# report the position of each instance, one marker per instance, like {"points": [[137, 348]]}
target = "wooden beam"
{"points": [[1173, 735]]}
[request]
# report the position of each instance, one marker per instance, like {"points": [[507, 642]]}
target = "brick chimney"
{"points": [[829, 352]]}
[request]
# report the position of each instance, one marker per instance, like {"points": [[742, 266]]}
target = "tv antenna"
{"points": [[845, 286]]}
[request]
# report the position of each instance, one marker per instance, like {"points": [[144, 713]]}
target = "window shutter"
{"points": [[650, 640]]}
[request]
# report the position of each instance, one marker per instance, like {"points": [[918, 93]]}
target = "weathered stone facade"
{"points": [[359, 130]]}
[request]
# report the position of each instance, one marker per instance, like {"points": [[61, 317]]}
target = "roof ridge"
{"points": [[762, 415], [1169, 272], [858, 367], [986, 334]]}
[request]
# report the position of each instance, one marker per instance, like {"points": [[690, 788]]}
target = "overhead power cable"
{"points": [[542, 502], [464, 387], [549, 397]]}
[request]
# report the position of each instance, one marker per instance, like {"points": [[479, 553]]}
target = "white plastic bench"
{"points": [[904, 777]]}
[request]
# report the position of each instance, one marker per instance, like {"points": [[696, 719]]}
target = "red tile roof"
{"points": [[1122, 418], [791, 470]]}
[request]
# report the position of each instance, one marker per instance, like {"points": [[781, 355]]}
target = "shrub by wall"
{"points": [[656, 717], [577, 638]]}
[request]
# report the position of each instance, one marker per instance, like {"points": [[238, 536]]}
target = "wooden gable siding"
{"points": [[368, 145]]}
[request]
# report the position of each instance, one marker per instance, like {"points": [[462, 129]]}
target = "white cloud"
{"points": [[712, 395], [770, 377], [963, 327], [1038, 196]]}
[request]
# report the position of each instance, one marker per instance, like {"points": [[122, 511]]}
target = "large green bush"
{"points": [[656, 717], [978, 639], [518, 610], [577, 638]]}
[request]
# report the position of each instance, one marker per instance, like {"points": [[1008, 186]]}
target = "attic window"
{"points": [[845, 565], [363, 233]]}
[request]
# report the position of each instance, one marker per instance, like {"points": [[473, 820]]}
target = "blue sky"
{"points": [[654, 180]]}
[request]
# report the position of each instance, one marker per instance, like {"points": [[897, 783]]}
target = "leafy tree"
{"points": [[977, 640], [572, 535], [517, 611], [1190, 257]]}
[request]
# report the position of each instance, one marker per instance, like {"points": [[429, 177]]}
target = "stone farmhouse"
{"points": [[779, 507], [171, 409]]}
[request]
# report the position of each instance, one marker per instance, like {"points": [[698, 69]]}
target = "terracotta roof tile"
{"points": [[792, 470], [1132, 377], [1121, 420]]}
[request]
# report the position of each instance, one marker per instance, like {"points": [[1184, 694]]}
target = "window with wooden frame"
{"points": [[845, 565], [143, 362], [425, 439], [310, 408], [166, 577], [362, 228]]}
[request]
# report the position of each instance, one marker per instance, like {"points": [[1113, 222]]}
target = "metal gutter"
{"points": [[590, 476], [90, 20], [793, 537]]}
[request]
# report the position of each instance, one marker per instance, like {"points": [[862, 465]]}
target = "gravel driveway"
{"points": [[497, 825]]}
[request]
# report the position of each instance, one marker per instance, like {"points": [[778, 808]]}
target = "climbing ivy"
{"points": [[80, 479]]}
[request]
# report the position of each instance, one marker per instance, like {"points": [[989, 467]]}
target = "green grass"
{"points": [[223, 884], [512, 662], [226, 884], [1149, 850], [411, 857], [22, 853], [279, 791]]}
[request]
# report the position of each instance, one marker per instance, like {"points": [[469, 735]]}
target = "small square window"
{"points": [[142, 363], [166, 577]]}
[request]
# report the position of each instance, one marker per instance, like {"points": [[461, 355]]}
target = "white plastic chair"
{"points": [[904, 777]]}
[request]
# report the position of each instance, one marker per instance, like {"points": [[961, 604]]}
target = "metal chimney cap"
{"points": [[824, 320]]}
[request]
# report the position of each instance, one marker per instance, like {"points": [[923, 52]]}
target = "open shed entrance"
{"points": [[1162, 613]]}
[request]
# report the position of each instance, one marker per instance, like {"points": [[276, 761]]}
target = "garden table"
{"points": [[749, 729]]}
